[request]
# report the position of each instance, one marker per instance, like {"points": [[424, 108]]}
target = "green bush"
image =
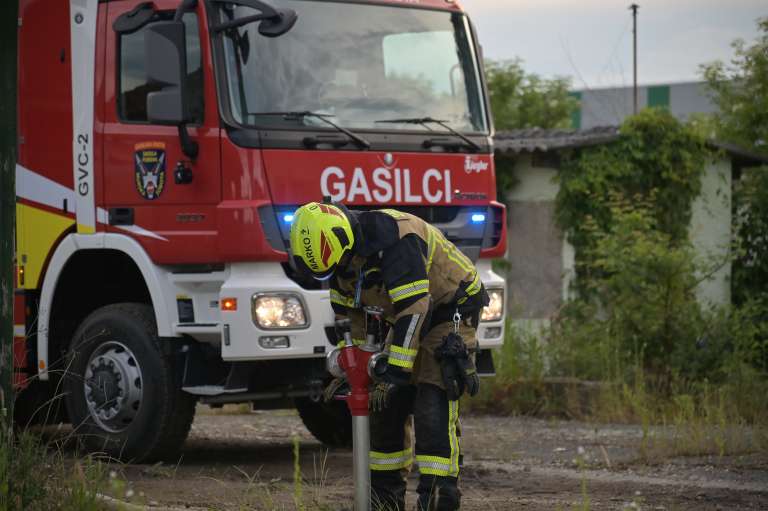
{"points": [[657, 161], [640, 305]]}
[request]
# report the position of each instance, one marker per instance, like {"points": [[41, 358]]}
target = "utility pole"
{"points": [[9, 15], [634, 8]]}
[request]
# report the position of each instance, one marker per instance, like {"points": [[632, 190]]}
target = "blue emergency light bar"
{"points": [[478, 218]]}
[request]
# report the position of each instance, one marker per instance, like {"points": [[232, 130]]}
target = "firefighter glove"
{"points": [[457, 368], [380, 396], [337, 387]]}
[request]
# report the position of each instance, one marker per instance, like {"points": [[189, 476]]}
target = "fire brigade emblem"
{"points": [[149, 164]]}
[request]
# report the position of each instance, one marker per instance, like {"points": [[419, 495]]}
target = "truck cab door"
{"points": [[174, 221]]}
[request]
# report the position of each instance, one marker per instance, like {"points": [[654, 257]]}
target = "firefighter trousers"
{"points": [[436, 424]]}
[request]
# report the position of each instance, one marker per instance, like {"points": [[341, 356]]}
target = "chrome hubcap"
{"points": [[113, 386]]}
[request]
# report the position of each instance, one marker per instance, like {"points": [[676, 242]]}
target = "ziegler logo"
{"points": [[472, 165]]}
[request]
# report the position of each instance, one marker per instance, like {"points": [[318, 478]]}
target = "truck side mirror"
{"points": [[166, 63]]}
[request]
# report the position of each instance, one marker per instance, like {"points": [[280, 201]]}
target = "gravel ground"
{"points": [[245, 461]]}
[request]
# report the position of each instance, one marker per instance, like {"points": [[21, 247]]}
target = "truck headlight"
{"points": [[275, 311], [494, 310]]}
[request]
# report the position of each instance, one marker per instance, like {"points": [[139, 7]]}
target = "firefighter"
{"points": [[432, 296]]}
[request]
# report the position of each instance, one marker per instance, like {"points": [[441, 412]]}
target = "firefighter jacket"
{"points": [[408, 268]]}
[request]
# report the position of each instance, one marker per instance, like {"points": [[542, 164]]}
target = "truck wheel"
{"points": [[331, 423], [122, 392]]}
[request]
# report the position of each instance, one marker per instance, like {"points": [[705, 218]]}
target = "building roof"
{"points": [[537, 139], [543, 140]]}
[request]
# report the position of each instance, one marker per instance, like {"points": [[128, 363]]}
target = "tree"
{"points": [[526, 100], [8, 17], [740, 91]]}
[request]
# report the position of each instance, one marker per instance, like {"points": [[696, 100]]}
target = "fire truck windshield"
{"points": [[355, 64]]}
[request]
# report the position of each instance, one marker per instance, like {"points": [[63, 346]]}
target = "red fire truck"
{"points": [[163, 147]]}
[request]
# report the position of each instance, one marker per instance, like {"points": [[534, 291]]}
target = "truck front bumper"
{"points": [[242, 339]]}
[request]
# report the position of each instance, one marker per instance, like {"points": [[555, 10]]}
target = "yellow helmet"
{"points": [[320, 235]]}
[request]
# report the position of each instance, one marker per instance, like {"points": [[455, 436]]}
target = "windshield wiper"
{"points": [[424, 121], [360, 141]]}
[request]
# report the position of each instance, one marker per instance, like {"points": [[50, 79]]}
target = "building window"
{"points": [[576, 113], [658, 96], [133, 85]]}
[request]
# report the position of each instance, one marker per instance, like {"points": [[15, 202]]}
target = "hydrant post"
{"points": [[361, 448], [354, 362]]}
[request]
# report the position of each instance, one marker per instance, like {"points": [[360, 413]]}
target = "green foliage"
{"points": [[656, 160], [526, 100], [740, 91], [506, 179], [642, 308], [750, 271]]}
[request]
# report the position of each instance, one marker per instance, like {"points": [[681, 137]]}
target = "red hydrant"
{"points": [[356, 363]]}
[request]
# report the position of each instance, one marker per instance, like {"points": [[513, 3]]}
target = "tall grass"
{"points": [[678, 415], [38, 476]]}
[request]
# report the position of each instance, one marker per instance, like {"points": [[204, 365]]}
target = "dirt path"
{"points": [[246, 462]]}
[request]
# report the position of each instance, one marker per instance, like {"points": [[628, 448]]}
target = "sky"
{"points": [[590, 41]]}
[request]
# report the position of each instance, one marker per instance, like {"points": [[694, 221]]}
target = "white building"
{"points": [[609, 106], [541, 261]]}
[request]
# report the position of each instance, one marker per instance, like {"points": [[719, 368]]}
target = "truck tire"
{"points": [[123, 393], [330, 423]]}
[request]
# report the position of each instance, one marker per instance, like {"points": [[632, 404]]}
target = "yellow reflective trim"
{"points": [[415, 288], [431, 246], [409, 295], [434, 465], [391, 455], [393, 213], [452, 253], [390, 460], [474, 287], [415, 283], [403, 351], [433, 459], [37, 231], [406, 364], [340, 299], [453, 419]]}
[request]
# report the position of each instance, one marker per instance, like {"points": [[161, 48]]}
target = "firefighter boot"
{"points": [[387, 491], [427, 491], [438, 493]]}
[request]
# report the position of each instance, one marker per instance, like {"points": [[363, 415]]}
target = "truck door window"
{"points": [[132, 79]]}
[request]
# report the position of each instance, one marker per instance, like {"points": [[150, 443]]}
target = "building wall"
{"points": [[603, 107], [541, 261], [539, 258], [710, 232]]}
